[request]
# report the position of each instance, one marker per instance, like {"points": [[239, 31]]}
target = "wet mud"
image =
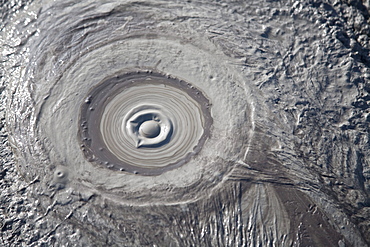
{"points": [[113, 113], [275, 152]]}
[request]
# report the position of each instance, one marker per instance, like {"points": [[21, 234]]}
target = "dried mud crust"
{"points": [[303, 149]]}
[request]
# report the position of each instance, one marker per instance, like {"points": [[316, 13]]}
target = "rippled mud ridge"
{"points": [[184, 123]]}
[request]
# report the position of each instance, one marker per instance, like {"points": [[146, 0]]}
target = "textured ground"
{"points": [[292, 166]]}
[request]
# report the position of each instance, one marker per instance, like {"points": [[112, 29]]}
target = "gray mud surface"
{"points": [[287, 162]]}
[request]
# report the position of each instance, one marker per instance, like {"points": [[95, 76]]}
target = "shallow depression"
{"points": [[143, 121]]}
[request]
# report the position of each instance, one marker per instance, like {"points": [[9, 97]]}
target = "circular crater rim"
{"points": [[91, 141]]}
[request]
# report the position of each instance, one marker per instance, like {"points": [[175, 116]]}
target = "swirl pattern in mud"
{"points": [[201, 142], [144, 123]]}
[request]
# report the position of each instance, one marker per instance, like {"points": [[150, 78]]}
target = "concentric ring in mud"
{"points": [[187, 76], [144, 123]]}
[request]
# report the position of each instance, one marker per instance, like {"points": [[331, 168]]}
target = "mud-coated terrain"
{"points": [[265, 130]]}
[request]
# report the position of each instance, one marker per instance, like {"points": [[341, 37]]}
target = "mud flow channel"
{"points": [[184, 123]]}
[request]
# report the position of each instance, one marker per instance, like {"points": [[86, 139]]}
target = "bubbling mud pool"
{"points": [[179, 104], [193, 123], [144, 123]]}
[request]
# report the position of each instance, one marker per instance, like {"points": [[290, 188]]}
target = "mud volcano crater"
{"points": [[111, 157], [138, 119], [144, 123]]}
